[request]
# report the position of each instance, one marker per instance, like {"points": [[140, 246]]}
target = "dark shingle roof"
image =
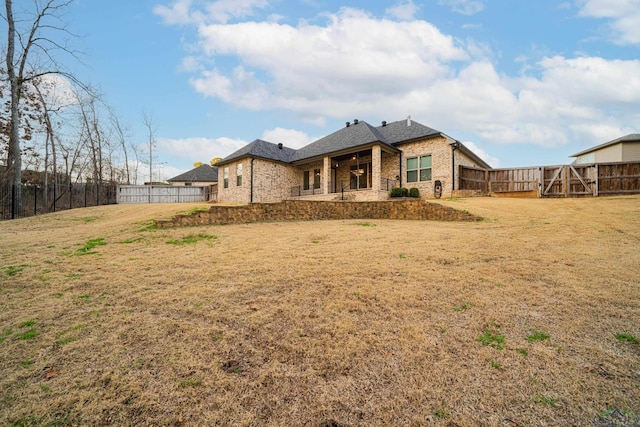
{"points": [[262, 149], [347, 138], [632, 137], [204, 173], [398, 132], [352, 136]]}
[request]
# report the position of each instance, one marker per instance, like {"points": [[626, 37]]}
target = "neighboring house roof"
{"points": [[261, 149], [354, 135], [632, 137], [203, 173]]}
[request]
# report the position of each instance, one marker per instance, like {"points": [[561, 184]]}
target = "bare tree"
{"points": [[149, 124], [22, 44], [120, 135]]}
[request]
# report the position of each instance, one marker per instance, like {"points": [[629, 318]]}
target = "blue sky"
{"points": [[522, 82]]}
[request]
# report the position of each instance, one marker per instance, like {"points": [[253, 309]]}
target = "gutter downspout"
{"points": [[400, 176], [454, 147], [251, 196]]}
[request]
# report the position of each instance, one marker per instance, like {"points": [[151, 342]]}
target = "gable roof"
{"points": [[203, 173], [261, 149], [399, 132], [352, 136], [632, 137]]}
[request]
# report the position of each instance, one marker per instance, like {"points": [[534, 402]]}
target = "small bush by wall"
{"points": [[399, 192], [414, 192]]}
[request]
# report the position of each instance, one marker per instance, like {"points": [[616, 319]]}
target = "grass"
{"points": [[490, 337], [27, 335], [6, 333], [628, 338], [192, 239], [89, 246], [12, 270], [463, 307], [262, 327], [545, 400], [538, 336]]}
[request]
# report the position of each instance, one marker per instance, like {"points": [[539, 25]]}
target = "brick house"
{"points": [[357, 162]]}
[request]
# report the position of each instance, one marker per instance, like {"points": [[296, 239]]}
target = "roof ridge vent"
{"points": [[348, 124], [280, 145], [384, 123], [409, 120], [355, 121]]}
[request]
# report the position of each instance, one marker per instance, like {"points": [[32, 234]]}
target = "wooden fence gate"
{"points": [[568, 181], [555, 181]]}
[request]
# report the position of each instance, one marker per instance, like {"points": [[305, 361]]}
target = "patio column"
{"points": [[376, 166], [326, 175]]}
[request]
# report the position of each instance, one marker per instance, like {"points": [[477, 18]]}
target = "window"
{"points": [[305, 180], [308, 179], [239, 174], [226, 177], [316, 178], [419, 168]]}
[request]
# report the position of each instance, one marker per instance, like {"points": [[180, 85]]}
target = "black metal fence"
{"points": [[39, 199]]}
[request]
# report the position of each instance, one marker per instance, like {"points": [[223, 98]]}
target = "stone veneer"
{"points": [[302, 210]]}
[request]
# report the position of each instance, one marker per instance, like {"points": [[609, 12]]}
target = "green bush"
{"points": [[399, 192], [414, 192]]}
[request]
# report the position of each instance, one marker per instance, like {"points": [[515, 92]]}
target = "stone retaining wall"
{"points": [[303, 210]]}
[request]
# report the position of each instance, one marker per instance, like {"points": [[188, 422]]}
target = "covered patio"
{"points": [[364, 173]]}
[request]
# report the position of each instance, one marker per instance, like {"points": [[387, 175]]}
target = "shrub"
{"points": [[399, 192], [414, 192]]}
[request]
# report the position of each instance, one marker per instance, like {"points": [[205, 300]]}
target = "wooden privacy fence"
{"points": [[555, 181], [131, 194]]}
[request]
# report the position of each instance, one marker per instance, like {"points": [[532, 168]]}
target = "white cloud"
{"points": [[403, 10], [178, 13], [623, 16], [358, 65], [197, 149], [334, 68], [491, 160], [58, 91], [202, 11], [288, 137], [464, 7], [224, 10]]}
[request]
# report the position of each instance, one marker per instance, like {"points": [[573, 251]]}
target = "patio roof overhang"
{"points": [[360, 150]]}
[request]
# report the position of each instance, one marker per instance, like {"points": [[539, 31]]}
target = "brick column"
{"points": [[376, 165], [326, 175]]}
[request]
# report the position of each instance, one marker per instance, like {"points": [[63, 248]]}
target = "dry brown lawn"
{"points": [[104, 321]]}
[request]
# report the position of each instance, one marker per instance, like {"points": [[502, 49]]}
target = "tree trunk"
{"points": [[14, 158]]}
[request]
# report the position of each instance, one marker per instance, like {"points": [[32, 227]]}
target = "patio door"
{"points": [[360, 175]]}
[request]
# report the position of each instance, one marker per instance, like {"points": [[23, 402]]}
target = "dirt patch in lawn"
{"points": [[525, 318]]}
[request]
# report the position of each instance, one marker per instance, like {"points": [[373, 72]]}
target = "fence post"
{"points": [[35, 200], [13, 201], [85, 194], [70, 196], [97, 194]]}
